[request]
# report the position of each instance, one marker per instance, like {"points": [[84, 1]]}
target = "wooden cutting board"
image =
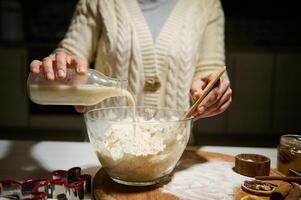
{"points": [[106, 189]]}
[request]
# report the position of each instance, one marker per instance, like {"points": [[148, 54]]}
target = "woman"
{"points": [[163, 64]]}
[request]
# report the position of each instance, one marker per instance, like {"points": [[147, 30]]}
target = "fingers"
{"points": [[61, 65], [223, 87], [197, 86], [210, 99], [55, 67], [225, 105], [47, 66], [80, 65], [216, 94], [35, 66], [80, 109], [216, 102], [219, 107], [197, 89], [227, 95]]}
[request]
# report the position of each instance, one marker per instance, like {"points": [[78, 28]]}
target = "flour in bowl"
{"points": [[141, 151]]}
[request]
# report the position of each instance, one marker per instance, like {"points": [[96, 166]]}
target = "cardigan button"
{"points": [[152, 84]]}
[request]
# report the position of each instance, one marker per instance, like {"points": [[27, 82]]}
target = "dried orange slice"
{"points": [[258, 187]]}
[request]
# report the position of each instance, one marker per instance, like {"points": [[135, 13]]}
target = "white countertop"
{"points": [[26, 159]]}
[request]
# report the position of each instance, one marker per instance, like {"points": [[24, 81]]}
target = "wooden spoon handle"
{"points": [[208, 88]]}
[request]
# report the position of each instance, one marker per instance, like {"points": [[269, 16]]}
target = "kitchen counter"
{"points": [[27, 159]]}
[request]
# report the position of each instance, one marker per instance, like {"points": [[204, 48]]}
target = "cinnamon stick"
{"points": [[281, 178]]}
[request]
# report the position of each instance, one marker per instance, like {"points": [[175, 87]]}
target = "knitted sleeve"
{"points": [[211, 51], [82, 36]]}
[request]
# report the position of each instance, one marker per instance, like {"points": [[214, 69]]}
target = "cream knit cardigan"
{"points": [[114, 35]]}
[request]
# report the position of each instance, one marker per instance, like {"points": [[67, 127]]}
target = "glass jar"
{"points": [[289, 153]]}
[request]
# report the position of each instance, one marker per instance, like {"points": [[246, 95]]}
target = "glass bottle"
{"points": [[88, 89]]}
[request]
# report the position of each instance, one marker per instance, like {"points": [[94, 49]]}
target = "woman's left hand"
{"points": [[217, 100]]}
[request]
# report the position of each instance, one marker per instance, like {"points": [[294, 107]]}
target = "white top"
{"points": [[155, 13]]}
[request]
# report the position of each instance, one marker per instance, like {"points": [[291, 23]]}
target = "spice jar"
{"points": [[289, 153]]}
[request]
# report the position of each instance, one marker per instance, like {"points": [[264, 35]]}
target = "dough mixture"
{"points": [[142, 152]]}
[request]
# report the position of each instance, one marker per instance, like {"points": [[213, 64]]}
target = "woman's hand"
{"points": [[55, 67], [80, 109], [216, 102]]}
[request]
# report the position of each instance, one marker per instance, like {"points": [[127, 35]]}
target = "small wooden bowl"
{"points": [[252, 165]]}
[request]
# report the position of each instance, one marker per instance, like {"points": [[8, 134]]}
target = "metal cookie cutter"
{"points": [[71, 183], [64, 185], [31, 189]]}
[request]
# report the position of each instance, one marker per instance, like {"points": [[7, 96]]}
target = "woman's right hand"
{"points": [[54, 67]]}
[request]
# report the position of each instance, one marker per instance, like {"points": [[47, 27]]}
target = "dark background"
{"points": [[263, 57]]}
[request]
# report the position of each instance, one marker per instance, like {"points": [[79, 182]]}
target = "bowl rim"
{"points": [[144, 122], [264, 159]]}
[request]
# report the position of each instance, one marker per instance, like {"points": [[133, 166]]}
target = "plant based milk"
{"points": [[85, 95]]}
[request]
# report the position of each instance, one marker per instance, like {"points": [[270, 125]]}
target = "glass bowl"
{"points": [[138, 145]]}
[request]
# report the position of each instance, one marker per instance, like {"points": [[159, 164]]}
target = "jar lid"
{"points": [[293, 141]]}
